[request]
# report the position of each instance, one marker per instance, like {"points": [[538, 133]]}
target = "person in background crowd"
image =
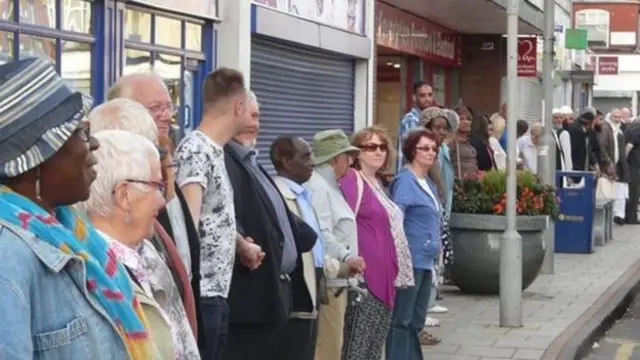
{"points": [[463, 154], [528, 146], [202, 177], [496, 128], [585, 151], [416, 196], [124, 201], [46, 167], [522, 127], [422, 99], [333, 155], [442, 123], [479, 139], [260, 301], [625, 113], [569, 115], [614, 145], [563, 144], [499, 120], [632, 150], [177, 248], [379, 223], [604, 138], [293, 161]]}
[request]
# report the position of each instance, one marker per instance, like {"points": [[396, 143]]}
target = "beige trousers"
{"points": [[331, 326]]}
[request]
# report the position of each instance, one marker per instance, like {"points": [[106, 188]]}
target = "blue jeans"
{"points": [[403, 341]]}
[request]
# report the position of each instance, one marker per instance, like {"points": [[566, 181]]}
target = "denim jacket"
{"points": [[46, 312]]}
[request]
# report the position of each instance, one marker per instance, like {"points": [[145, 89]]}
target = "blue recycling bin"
{"points": [[574, 226]]}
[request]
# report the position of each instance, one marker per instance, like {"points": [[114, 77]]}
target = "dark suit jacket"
{"points": [[578, 147], [607, 146], [258, 296]]}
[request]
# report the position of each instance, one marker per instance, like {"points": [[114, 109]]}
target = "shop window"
{"points": [[59, 30], [171, 46], [596, 22]]}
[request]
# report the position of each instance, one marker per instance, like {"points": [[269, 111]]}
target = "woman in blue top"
{"points": [[417, 197]]}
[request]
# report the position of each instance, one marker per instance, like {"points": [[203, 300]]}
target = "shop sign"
{"points": [[342, 14], [528, 56], [410, 34], [201, 8], [608, 65]]}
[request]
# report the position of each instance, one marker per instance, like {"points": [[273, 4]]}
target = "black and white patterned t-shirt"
{"points": [[201, 161]]}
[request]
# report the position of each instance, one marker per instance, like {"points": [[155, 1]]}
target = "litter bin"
{"points": [[574, 226]]}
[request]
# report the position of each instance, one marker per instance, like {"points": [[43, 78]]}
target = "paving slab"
{"points": [[470, 329]]}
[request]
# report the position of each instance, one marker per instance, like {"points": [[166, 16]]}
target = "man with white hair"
{"points": [[626, 118], [149, 90]]}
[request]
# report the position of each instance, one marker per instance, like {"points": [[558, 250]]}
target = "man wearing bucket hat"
{"points": [[57, 276], [333, 155]]}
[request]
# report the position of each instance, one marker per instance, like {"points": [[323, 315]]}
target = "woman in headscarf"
{"points": [[64, 295]]}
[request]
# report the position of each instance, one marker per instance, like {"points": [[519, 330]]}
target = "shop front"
{"points": [[92, 43], [304, 61], [410, 48]]}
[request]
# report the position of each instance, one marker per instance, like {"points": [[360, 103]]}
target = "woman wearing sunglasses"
{"points": [[381, 241], [125, 199]]}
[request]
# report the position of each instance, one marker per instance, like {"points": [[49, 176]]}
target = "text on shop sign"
{"points": [[404, 32]]}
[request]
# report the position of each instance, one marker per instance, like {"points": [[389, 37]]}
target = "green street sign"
{"points": [[575, 39]]}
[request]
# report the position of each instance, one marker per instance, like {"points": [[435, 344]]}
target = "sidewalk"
{"points": [[470, 329]]}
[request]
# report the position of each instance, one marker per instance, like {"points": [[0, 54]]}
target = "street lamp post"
{"points": [[547, 154], [511, 242]]}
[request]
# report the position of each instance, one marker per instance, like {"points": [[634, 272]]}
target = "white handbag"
{"points": [[606, 189]]}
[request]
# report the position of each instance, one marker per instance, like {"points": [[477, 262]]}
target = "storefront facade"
{"points": [[307, 61], [92, 43], [410, 48]]}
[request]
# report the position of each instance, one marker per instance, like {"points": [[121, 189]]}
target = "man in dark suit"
{"points": [[585, 151], [632, 150], [260, 301]]}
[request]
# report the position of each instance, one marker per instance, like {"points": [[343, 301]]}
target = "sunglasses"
{"points": [[374, 147], [428, 148]]}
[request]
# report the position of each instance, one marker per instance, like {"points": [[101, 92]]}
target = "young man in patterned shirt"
{"points": [[203, 178]]}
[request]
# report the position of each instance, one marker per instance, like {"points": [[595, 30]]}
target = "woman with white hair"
{"points": [[125, 200]]}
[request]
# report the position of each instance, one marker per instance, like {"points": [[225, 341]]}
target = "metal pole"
{"points": [[511, 244], [547, 154]]}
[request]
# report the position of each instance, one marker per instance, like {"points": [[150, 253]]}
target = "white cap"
{"points": [[556, 111], [566, 110]]}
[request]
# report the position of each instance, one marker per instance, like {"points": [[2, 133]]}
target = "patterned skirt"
{"points": [[366, 325], [447, 248]]}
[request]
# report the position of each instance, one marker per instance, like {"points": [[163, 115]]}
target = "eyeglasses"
{"points": [[154, 184], [374, 147], [162, 152], [428, 148], [159, 108]]}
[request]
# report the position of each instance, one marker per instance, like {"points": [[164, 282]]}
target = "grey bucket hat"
{"points": [[328, 144]]}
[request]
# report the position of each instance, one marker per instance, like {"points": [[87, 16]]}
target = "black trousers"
{"points": [[300, 336], [634, 195], [257, 341], [212, 338]]}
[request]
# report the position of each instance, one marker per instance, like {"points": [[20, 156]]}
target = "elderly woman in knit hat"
{"points": [[63, 294]]}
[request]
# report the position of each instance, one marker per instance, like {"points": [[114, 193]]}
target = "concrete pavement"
{"points": [[551, 305]]}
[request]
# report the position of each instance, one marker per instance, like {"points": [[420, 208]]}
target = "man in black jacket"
{"points": [[260, 301], [585, 151]]}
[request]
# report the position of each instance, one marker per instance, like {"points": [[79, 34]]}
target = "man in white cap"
{"points": [[563, 143], [569, 115]]}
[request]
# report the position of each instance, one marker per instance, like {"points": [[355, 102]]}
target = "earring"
{"points": [[127, 217]]}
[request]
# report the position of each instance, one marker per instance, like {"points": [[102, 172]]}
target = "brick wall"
{"points": [[622, 16], [481, 72]]}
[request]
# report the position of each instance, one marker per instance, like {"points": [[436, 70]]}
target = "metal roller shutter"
{"points": [[301, 91], [529, 98]]}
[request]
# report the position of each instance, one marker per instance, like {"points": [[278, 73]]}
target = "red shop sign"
{"points": [[608, 65], [528, 56], [407, 33]]}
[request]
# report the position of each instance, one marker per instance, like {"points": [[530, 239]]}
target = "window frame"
{"points": [[601, 22]]}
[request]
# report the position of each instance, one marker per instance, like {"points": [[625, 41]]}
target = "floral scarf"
{"points": [[107, 279]]}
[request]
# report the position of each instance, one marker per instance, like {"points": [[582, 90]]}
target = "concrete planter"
{"points": [[476, 249]]}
